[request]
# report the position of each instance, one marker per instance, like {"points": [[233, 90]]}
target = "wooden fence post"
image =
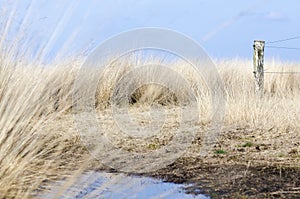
{"points": [[258, 63]]}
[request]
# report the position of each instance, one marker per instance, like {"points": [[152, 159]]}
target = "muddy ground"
{"points": [[233, 181], [244, 163]]}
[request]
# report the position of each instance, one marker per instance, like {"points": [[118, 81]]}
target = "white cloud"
{"points": [[276, 16]]}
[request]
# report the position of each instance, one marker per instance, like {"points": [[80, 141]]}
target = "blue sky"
{"points": [[226, 29]]}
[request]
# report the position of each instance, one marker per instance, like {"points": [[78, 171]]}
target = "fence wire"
{"points": [[283, 72], [282, 40], [285, 48]]}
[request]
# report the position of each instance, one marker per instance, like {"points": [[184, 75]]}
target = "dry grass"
{"points": [[38, 141], [30, 98]]}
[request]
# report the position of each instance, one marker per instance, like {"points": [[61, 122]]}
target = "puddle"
{"points": [[115, 186]]}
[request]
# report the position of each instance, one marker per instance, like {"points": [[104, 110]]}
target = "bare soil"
{"points": [[245, 163], [233, 181]]}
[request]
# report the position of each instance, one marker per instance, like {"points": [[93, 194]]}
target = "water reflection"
{"points": [[109, 185]]}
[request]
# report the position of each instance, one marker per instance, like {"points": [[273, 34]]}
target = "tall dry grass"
{"points": [[38, 146], [243, 107], [30, 98], [279, 108]]}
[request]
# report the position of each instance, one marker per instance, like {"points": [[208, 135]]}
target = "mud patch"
{"points": [[233, 180]]}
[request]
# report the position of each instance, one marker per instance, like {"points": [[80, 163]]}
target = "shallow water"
{"points": [[108, 185]]}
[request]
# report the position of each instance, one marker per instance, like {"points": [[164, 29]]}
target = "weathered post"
{"points": [[258, 63]]}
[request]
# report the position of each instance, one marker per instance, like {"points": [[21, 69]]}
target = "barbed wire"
{"points": [[282, 40], [282, 72], [283, 47]]}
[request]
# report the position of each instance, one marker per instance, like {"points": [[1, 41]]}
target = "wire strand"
{"points": [[283, 47], [282, 72], [282, 40]]}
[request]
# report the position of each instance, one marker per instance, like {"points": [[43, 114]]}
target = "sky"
{"points": [[225, 29]]}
